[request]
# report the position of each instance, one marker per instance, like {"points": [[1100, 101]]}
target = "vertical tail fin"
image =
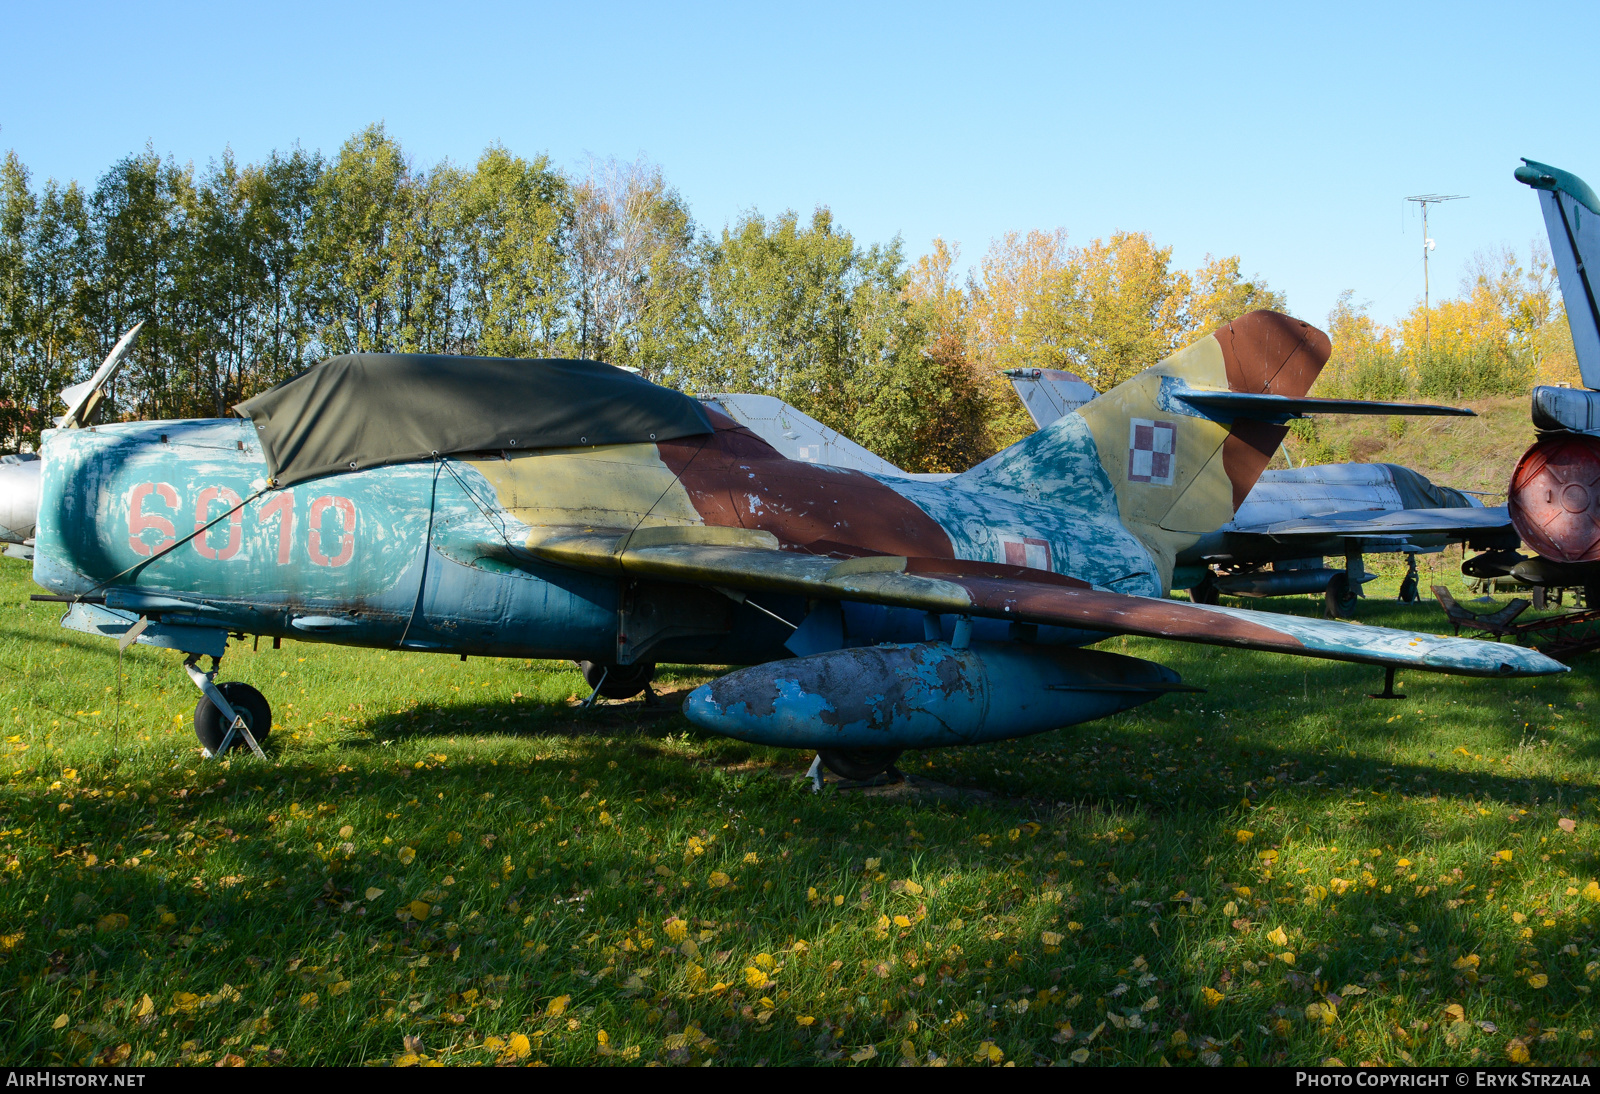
{"points": [[1572, 218], [1177, 469]]}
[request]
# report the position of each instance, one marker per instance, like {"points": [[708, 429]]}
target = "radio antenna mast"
{"points": [[1426, 200]]}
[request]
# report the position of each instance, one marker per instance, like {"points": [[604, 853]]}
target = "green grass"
{"points": [[1466, 453], [445, 861]]}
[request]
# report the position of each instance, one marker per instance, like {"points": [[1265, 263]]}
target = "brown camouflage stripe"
{"points": [[735, 479]]}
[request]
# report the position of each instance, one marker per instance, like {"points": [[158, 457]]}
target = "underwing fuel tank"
{"points": [[923, 695]]}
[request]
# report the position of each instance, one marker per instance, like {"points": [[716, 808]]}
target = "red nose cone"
{"points": [[1555, 499]]}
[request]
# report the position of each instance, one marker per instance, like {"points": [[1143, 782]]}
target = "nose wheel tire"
{"points": [[211, 727], [858, 764], [620, 681]]}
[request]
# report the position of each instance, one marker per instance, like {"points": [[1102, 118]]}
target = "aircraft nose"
{"points": [[19, 497]]}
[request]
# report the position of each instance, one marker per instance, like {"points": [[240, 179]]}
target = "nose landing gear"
{"points": [[229, 715]]}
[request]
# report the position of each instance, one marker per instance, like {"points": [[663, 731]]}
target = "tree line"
{"points": [[247, 274]]}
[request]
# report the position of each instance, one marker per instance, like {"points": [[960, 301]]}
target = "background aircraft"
{"points": [[1554, 496], [569, 509]]}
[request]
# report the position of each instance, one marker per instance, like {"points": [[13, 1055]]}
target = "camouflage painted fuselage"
{"points": [[435, 555]]}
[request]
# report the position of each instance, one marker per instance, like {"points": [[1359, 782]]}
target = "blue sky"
{"points": [[1287, 134]]}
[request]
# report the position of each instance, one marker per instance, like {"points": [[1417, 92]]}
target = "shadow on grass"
{"points": [[261, 883]]}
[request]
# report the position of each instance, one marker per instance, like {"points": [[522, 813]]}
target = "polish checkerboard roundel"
{"points": [[1152, 451]]}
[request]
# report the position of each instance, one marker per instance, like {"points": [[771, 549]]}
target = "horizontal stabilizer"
{"points": [[1279, 408]]}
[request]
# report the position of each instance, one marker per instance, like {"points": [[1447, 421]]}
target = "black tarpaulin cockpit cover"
{"points": [[367, 409]]}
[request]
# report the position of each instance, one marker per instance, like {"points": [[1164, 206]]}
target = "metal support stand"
{"points": [[605, 671], [1388, 691], [815, 774], [206, 682]]}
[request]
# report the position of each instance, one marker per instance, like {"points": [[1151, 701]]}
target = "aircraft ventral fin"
{"points": [[953, 586]]}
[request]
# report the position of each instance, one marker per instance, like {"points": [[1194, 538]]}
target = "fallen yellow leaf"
{"points": [[407, 855], [558, 1006]]}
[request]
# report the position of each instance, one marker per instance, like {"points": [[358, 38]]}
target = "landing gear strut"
{"points": [[230, 715], [1408, 584]]}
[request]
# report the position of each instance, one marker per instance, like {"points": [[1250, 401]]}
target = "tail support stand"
{"points": [[1388, 691], [206, 682]]}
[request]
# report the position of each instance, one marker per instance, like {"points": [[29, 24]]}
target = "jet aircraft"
{"points": [[1554, 496], [569, 509]]}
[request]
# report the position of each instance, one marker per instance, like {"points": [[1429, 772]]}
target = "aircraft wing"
{"points": [[748, 564], [1367, 523]]}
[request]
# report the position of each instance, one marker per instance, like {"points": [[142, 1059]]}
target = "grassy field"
{"points": [[445, 862], [1466, 453]]}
